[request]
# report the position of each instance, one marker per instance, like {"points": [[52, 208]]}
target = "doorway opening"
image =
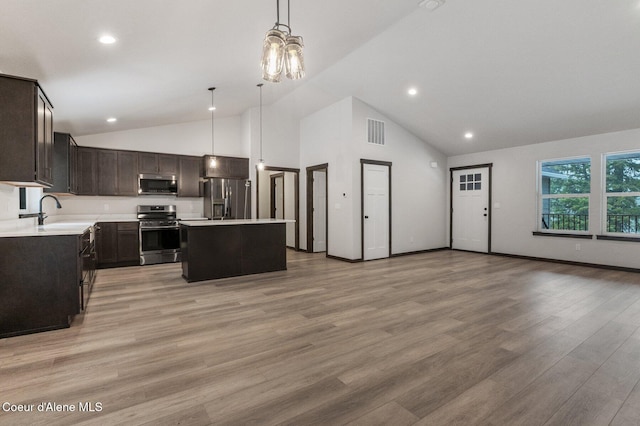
{"points": [[277, 198], [317, 208], [277, 195]]}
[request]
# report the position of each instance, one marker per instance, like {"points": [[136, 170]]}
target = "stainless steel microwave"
{"points": [[150, 184]]}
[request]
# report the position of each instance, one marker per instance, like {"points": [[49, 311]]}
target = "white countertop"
{"points": [[48, 229], [233, 222], [58, 225], [77, 224]]}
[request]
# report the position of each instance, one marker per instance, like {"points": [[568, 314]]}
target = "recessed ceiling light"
{"points": [[468, 135], [107, 39], [212, 108], [431, 4], [111, 120], [412, 91]]}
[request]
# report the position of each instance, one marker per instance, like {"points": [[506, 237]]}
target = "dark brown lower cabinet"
{"points": [[128, 243], [40, 285], [219, 251], [117, 244]]}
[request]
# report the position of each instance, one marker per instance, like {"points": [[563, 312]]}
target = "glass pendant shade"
{"points": [[294, 61], [273, 52], [213, 162], [261, 164]]}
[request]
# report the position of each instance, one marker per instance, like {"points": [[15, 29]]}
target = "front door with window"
{"points": [[470, 216]]}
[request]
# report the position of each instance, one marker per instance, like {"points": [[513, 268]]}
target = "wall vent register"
{"points": [[375, 131]]}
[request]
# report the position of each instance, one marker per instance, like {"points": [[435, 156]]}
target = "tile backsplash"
{"points": [[84, 205]]}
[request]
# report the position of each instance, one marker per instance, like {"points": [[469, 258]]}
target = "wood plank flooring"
{"points": [[439, 338]]}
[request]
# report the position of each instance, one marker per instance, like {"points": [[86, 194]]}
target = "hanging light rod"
{"points": [[261, 162], [212, 161], [282, 50]]}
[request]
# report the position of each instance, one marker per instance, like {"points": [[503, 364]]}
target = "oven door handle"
{"points": [[156, 228]]}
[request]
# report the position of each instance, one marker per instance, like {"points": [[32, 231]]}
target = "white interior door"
{"points": [[319, 211], [470, 216], [376, 211]]}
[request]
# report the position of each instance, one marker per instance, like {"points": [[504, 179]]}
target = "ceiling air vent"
{"points": [[375, 131]]}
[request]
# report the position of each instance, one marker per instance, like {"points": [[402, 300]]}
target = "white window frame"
{"points": [[606, 195], [540, 196]]}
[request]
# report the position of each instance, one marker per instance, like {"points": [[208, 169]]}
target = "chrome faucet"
{"points": [[41, 215]]}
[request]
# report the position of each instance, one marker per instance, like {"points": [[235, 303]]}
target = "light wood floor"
{"points": [[440, 338]]}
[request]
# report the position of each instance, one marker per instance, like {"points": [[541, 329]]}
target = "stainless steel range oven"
{"points": [[159, 235]]}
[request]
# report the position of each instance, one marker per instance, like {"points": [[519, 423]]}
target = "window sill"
{"points": [[561, 235], [616, 238]]}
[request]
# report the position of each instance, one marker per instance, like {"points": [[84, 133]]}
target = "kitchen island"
{"points": [[226, 248]]}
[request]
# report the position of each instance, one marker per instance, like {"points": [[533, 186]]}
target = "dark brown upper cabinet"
{"points": [[155, 163], [227, 167], [87, 171], [65, 155], [127, 173], [189, 177], [117, 172], [113, 172], [107, 172], [26, 133]]}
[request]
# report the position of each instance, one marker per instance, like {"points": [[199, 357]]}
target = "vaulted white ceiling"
{"points": [[511, 72]]}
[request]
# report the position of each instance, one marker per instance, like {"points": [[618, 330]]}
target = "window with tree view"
{"points": [[622, 195], [565, 186]]}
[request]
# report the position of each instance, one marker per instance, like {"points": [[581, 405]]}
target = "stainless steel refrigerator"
{"points": [[227, 198]]}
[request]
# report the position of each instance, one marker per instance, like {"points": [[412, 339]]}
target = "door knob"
{"points": [[366, 217]]}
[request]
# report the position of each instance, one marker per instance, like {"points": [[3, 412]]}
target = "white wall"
{"points": [[514, 190], [325, 137], [418, 191], [289, 199], [337, 135], [265, 194], [193, 138], [9, 202]]}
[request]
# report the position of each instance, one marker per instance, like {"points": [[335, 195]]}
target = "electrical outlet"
{"points": [[578, 248]]}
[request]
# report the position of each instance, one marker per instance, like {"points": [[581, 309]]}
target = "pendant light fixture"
{"points": [[212, 160], [261, 162], [282, 50]]}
